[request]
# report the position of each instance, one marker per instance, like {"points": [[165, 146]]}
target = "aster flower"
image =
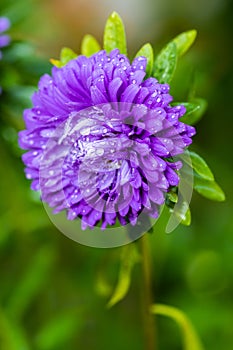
{"points": [[4, 38], [100, 140]]}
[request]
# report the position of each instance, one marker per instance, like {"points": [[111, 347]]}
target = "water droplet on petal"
{"points": [[99, 151], [85, 131]]}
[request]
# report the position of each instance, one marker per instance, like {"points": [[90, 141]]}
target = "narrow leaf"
{"points": [[190, 107], [190, 337], [184, 40], [165, 63], [183, 213], [65, 56], [128, 260], [196, 114], [147, 51], [208, 189], [114, 34], [199, 165], [89, 45]]}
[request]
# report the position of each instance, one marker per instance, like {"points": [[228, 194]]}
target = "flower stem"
{"points": [[149, 320]]}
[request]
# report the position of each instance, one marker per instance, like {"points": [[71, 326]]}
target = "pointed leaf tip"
{"points": [[114, 34], [184, 40], [66, 55], [147, 51], [89, 45], [128, 259]]}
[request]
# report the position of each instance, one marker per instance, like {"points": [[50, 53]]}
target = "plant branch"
{"points": [[149, 320]]}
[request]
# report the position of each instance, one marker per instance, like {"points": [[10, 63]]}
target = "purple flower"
{"points": [[4, 39], [101, 140]]}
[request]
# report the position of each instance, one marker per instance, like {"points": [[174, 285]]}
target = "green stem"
{"points": [[147, 301]]}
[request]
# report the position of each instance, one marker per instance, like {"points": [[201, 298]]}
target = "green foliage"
{"points": [[184, 214], [204, 182], [89, 45], [165, 63], [65, 56], [190, 338], [147, 51], [209, 189], [195, 110], [114, 34], [184, 40], [27, 237], [128, 259], [200, 166]]}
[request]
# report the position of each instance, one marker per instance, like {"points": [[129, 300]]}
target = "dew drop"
{"points": [[85, 131], [99, 151]]}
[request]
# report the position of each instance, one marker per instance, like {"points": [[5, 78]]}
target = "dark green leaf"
{"points": [[199, 165], [114, 34], [190, 117], [208, 189], [147, 51], [172, 196], [184, 40], [165, 63], [89, 45], [197, 113]]}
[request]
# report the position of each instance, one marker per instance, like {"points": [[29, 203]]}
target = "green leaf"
{"points": [[65, 56], [147, 51], [209, 189], [190, 337], [199, 165], [165, 63], [89, 45], [128, 259], [192, 116], [114, 34], [184, 40], [186, 220], [183, 213]]}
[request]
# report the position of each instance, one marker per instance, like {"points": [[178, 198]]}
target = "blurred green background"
{"points": [[51, 297]]}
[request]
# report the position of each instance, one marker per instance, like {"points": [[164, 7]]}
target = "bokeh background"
{"points": [[53, 291]]}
